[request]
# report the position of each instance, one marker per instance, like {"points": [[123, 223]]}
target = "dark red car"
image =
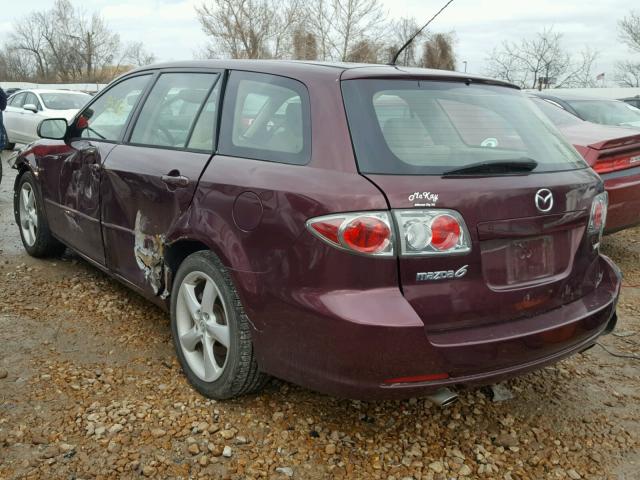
{"points": [[367, 231], [613, 152]]}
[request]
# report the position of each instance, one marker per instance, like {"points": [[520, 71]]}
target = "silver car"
{"points": [[27, 108]]}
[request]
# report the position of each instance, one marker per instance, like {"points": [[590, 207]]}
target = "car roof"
{"points": [[343, 70], [573, 96], [47, 90]]}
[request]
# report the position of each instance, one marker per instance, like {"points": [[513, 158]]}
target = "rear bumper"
{"points": [[624, 199], [348, 343]]}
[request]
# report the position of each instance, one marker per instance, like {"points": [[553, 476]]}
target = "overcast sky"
{"points": [[170, 30]]}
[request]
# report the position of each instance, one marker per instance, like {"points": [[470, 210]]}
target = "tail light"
{"points": [[432, 232], [598, 217], [422, 232], [367, 233], [618, 162]]}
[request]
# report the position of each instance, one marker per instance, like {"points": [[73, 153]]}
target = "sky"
{"points": [[170, 30]]}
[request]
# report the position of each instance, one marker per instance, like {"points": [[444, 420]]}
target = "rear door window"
{"points": [[172, 108], [266, 117], [204, 131]]}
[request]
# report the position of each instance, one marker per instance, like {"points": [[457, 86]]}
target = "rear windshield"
{"points": [[64, 101], [431, 127], [559, 116], [606, 112]]}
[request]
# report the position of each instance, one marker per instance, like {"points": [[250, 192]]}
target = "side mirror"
{"points": [[53, 128], [31, 107]]}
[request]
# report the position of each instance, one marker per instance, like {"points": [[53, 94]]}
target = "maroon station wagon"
{"points": [[330, 224]]}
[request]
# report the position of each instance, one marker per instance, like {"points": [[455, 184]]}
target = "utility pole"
{"points": [[465, 66]]}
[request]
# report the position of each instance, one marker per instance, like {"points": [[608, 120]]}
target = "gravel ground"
{"points": [[90, 388]]}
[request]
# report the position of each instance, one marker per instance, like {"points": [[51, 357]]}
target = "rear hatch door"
{"points": [[416, 139]]}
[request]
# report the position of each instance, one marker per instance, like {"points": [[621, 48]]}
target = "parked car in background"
{"points": [[613, 152], [330, 224], [633, 101], [27, 108], [596, 110], [12, 90]]}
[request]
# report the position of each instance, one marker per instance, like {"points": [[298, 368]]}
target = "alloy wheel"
{"points": [[28, 214], [201, 321]]}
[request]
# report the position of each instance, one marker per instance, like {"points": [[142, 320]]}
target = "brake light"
{"points": [[598, 217], [422, 232], [619, 162], [432, 232], [367, 233], [445, 232]]}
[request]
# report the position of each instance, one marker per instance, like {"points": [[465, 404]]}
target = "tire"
{"points": [[32, 221], [206, 312]]}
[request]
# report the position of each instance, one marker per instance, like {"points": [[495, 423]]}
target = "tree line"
{"points": [[628, 72], [326, 30], [543, 62], [62, 44]]}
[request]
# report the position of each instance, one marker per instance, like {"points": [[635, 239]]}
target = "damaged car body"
{"points": [[365, 231]]}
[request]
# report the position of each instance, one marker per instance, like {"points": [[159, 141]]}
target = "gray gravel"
{"points": [[89, 388]]}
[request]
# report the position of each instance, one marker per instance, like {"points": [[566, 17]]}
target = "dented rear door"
{"points": [[150, 180]]}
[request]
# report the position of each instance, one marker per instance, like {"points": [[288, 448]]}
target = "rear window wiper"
{"points": [[497, 167]]}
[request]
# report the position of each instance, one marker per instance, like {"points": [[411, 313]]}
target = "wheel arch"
{"points": [[177, 250]]}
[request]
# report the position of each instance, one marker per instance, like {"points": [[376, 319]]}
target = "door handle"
{"points": [[175, 180]]}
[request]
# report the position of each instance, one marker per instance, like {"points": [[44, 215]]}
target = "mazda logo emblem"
{"points": [[544, 200]]}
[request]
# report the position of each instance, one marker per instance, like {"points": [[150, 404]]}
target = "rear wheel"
{"points": [[32, 222], [210, 330]]}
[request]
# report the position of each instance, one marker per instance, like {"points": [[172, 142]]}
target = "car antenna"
{"points": [[395, 57]]}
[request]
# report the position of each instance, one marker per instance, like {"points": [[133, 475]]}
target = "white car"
{"points": [[27, 108]]}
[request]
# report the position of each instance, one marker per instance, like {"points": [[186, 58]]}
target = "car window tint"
{"points": [[203, 135], [106, 118], [171, 109], [266, 118], [409, 127], [481, 126]]}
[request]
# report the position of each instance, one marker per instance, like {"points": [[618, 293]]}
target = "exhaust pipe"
{"points": [[443, 397]]}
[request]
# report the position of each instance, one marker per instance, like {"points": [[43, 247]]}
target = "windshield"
{"points": [[64, 101], [433, 127], [606, 112], [559, 116]]}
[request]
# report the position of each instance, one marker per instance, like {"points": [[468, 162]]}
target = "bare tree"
{"points": [[403, 30], [63, 44], [541, 61], [438, 52], [630, 30], [249, 28], [343, 26], [363, 52], [628, 74], [305, 45], [135, 54]]}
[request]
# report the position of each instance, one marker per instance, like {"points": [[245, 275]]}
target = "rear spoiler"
{"points": [[618, 145]]}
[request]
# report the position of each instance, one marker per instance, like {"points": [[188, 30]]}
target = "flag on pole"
{"points": [[600, 77]]}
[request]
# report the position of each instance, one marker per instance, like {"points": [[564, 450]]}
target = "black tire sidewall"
{"points": [[225, 385], [45, 244]]}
